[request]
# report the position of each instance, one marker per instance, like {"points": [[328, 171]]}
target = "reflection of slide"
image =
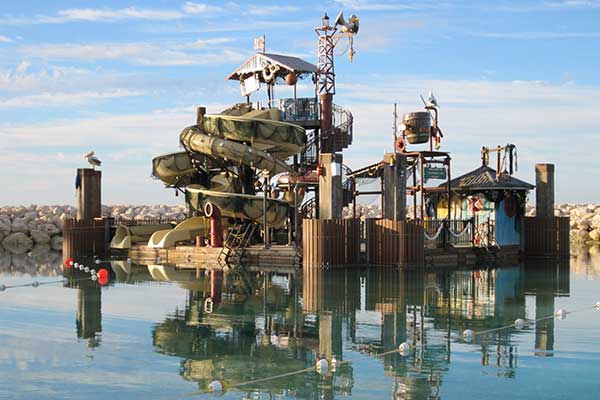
{"points": [[187, 230], [125, 236], [171, 274]]}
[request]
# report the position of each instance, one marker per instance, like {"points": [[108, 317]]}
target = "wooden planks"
{"points": [[86, 237], [546, 236], [330, 242], [398, 243]]}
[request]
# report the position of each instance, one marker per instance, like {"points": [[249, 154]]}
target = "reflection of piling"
{"points": [[89, 313], [544, 329]]}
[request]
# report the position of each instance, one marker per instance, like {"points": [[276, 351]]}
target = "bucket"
{"points": [[418, 127]]}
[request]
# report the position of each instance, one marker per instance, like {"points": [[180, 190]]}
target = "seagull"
{"points": [[92, 159], [432, 100]]}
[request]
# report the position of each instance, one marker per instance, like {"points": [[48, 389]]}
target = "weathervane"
{"points": [[260, 44]]}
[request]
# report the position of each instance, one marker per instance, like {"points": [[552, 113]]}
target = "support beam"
{"points": [[330, 186], [394, 184], [544, 190]]}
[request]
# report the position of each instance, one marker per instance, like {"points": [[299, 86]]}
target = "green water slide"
{"points": [[255, 139]]}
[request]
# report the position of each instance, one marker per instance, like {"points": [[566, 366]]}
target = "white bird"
{"points": [[92, 159], [432, 100]]}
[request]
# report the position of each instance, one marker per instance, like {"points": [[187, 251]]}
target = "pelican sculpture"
{"points": [[92, 159]]}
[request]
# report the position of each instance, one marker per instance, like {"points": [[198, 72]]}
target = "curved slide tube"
{"points": [[255, 139], [187, 230], [126, 236]]}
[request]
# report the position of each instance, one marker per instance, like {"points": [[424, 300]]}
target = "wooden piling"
{"points": [[89, 200]]}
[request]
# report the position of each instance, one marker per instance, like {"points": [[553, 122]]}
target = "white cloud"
{"points": [[139, 53], [200, 8], [368, 5], [536, 116], [5, 39], [61, 99], [537, 35], [270, 10], [573, 4]]}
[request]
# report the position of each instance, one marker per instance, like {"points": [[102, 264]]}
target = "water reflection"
{"points": [[239, 327]]}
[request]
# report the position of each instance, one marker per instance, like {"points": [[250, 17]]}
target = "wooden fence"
{"points": [[86, 237], [546, 236], [330, 242], [397, 243]]}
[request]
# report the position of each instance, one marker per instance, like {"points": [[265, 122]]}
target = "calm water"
{"points": [[157, 332]]}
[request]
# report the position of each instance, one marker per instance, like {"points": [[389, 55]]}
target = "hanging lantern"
{"points": [[291, 78]]}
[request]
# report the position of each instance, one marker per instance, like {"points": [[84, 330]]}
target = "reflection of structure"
{"points": [[545, 281], [89, 312], [282, 325]]}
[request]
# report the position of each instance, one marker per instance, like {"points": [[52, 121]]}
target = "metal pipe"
{"points": [[265, 222]]}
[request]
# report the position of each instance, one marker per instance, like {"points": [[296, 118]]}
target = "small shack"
{"points": [[495, 203]]}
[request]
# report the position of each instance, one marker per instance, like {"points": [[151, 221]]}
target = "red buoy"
{"points": [[68, 262], [103, 276]]}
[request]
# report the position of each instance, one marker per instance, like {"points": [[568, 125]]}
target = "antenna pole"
{"points": [[395, 127]]}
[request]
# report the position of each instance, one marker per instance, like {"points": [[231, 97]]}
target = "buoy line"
{"points": [[520, 323], [101, 276]]}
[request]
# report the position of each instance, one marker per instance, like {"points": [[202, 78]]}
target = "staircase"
{"points": [[340, 136]]}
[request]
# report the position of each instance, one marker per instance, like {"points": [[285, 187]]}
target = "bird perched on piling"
{"points": [[432, 101], [92, 159]]}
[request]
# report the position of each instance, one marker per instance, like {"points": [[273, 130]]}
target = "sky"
{"points": [[124, 78]]}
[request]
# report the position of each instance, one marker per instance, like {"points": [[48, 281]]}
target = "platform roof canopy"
{"points": [[484, 179], [286, 64]]}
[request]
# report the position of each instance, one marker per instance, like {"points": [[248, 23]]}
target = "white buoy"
{"points": [[598, 305], [215, 386], [322, 366], [94, 277], [86, 269], [2, 288], [561, 314], [76, 265], [404, 349], [519, 323], [93, 272], [81, 267], [98, 261], [35, 284], [468, 335]]}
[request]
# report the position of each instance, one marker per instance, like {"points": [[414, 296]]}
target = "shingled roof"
{"points": [[484, 178], [257, 63]]}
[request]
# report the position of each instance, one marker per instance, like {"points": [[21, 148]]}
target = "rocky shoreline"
{"points": [[30, 233]]}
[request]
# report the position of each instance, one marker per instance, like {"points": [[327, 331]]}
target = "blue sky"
{"points": [[123, 78]]}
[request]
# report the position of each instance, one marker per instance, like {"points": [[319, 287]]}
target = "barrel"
{"points": [[418, 127]]}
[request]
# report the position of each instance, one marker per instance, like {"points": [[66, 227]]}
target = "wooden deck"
{"points": [[256, 257], [285, 259]]}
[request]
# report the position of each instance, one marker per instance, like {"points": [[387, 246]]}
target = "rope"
{"points": [[457, 235], [468, 334], [35, 284], [436, 235]]}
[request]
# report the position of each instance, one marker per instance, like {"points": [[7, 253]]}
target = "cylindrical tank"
{"points": [[418, 127]]}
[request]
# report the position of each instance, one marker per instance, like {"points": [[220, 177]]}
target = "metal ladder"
{"points": [[235, 244]]}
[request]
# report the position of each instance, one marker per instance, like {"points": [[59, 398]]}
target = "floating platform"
{"points": [[285, 259]]}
